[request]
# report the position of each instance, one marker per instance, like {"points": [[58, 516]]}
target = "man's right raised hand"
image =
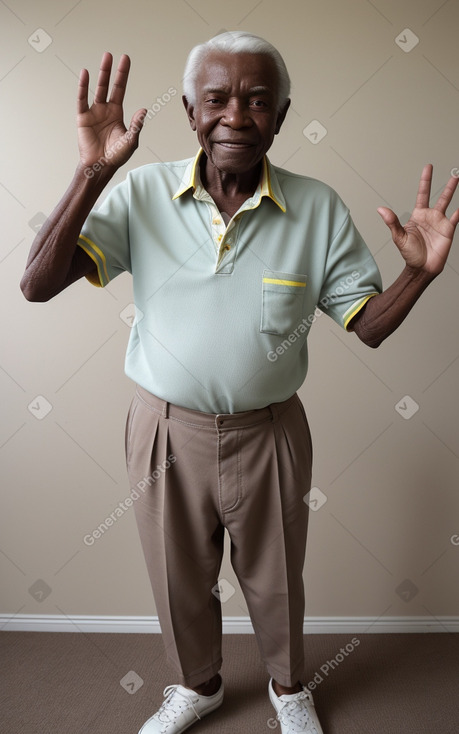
{"points": [[55, 261], [103, 139]]}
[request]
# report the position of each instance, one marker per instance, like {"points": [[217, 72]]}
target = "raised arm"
{"points": [[424, 242], [55, 261]]}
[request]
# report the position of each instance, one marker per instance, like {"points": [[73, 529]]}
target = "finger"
{"points": [[103, 78], [121, 77], [445, 197], [82, 97], [423, 196], [391, 220], [454, 219]]}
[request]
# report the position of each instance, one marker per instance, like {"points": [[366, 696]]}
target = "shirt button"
{"points": [[216, 221], [227, 247], [219, 238]]}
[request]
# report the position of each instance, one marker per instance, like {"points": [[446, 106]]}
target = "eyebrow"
{"points": [[260, 90], [224, 90]]}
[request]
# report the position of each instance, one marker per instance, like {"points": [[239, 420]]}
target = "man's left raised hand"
{"points": [[426, 239]]}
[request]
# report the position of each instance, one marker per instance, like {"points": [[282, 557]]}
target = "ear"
{"points": [[281, 115], [190, 112]]}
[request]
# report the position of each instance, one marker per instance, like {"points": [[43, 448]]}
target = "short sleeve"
{"points": [[105, 236], [352, 276]]}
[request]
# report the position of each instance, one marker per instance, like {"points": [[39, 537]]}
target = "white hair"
{"points": [[233, 42]]}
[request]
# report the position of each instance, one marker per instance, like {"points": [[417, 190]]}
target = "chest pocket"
{"points": [[282, 307]]}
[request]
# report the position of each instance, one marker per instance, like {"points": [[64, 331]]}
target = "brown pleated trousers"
{"points": [[194, 474]]}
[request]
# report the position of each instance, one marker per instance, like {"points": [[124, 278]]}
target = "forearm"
{"points": [[53, 253], [384, 313]]}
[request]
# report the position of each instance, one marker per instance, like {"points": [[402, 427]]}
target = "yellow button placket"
{"points": [[223, 236]]}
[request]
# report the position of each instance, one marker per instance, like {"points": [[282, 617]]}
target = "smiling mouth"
{"points": [[234, 146]]}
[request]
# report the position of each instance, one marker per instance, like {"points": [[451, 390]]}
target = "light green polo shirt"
{"points": [[224, 310]]}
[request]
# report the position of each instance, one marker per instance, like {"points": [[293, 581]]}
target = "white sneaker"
{"points": [[295, 712], [181, 709]]}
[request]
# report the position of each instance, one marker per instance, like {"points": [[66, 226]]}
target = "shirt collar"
{"points": [[268, 186]]}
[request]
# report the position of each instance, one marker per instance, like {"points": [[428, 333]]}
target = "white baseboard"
{"points": [[231, 625]]}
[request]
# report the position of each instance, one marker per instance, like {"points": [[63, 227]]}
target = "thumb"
{"points": [[137, 123], [391, 220]]}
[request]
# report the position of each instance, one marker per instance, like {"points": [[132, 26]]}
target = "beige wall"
{"points": [[391, 483]]}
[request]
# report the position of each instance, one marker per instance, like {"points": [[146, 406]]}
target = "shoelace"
{"points": [[174, 707], [295, 715]]}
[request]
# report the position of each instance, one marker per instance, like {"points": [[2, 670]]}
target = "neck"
{"points": [[221, 183]]}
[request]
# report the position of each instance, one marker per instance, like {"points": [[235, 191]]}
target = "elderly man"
{"points": [[229, 256]]}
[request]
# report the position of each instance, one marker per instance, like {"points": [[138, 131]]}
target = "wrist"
{"points": [[95, 176], [418, 276]]}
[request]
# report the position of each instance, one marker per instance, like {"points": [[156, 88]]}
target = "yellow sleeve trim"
{"points": [[94, 280], [279, 281], [355, 308], [96, 254]]}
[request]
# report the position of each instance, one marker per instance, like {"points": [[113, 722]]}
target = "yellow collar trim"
{"points": [[268, 184]]}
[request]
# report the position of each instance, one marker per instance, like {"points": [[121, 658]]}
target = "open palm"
{"points": [[102, 135], [425, 240]]}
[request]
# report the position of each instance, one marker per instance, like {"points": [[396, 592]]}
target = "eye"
{"points": [[260, 103]]}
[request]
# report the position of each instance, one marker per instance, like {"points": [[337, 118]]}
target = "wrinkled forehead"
{"points": [[233, 72]]}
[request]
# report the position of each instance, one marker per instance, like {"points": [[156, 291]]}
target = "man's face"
{"points": [[236, 111]]}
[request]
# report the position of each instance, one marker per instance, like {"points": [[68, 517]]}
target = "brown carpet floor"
{"points": [[59, 683]]}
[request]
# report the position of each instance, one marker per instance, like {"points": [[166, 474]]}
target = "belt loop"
{"points": [[165, 409]]}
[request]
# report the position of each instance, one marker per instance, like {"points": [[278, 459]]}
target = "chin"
{"points": [[242, 163]]}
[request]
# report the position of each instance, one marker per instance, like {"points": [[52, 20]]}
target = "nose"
{"points": [[236, 114]]}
